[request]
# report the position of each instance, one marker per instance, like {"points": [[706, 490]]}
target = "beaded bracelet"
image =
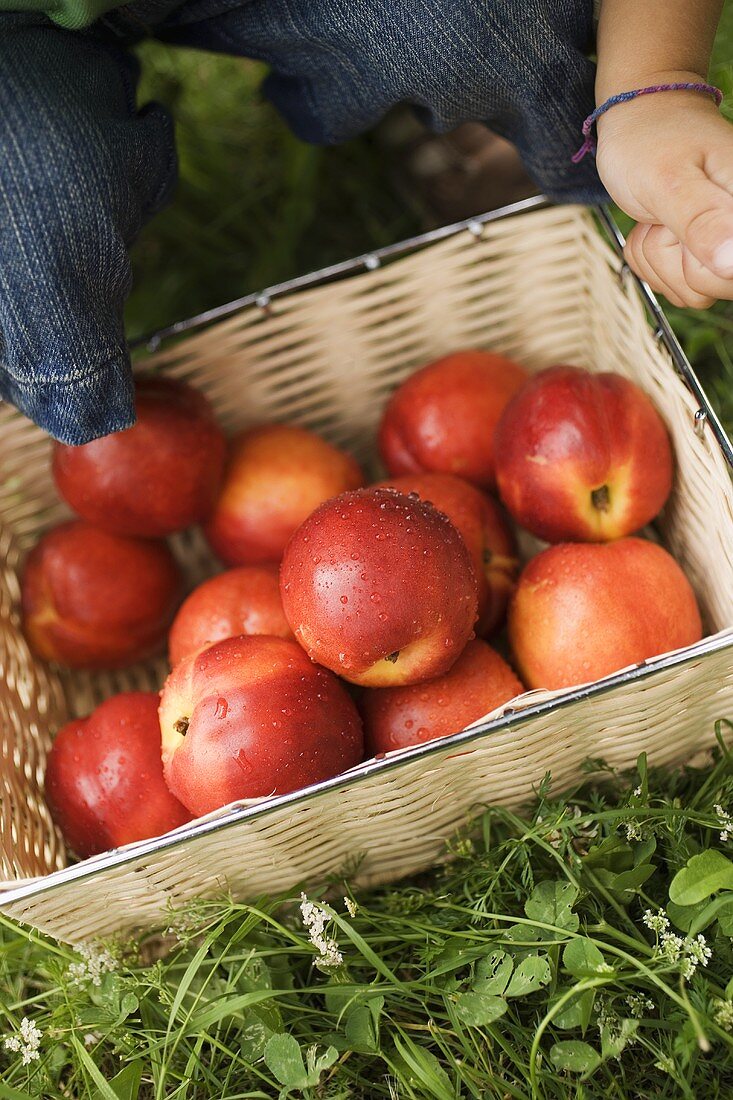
{"points": [[589, 144]]}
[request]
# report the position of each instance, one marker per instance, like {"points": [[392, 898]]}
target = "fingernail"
{"points": [[723, 258]]}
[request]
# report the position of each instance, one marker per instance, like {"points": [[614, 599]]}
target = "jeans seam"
{"points": [[73, 377]]}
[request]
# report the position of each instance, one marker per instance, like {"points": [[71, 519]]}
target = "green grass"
{"points": [[523, 968]]}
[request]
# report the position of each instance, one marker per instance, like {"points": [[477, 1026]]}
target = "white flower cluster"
{"points": [[26, 1041], [351, 907], [639, 1005], [691, 952], [94, 963], [723, 1014], [315, 919], [726, 823]]}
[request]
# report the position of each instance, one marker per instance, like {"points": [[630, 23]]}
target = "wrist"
{"points": [[611, 84], [646, 111]]}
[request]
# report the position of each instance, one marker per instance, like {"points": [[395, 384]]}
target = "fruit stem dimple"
{"points": [[181, 726], [392, 657], [601, 498]]}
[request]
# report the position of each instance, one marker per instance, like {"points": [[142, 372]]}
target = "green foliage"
{"points": [[516, 970]]}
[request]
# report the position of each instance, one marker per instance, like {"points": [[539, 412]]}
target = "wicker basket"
{"points": [[536, 282]]}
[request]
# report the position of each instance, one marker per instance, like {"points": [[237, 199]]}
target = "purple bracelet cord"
{"points": [[589, 144]]}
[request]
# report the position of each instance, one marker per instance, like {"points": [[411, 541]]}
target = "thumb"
{"points": [[700, 214]]}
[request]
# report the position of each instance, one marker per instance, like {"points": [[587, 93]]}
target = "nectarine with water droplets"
{"points": [[398, 717], [380, 588], [250, 717]]}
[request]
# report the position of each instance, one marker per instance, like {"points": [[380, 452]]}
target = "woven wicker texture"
{"points": [[542, 287]]}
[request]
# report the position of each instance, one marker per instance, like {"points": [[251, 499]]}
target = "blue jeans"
{"points": [[81, 169]]}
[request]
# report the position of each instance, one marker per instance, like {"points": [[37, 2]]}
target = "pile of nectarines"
{"points": [[352, 620]]}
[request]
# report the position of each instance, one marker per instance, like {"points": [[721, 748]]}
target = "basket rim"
{"points": [[511, 719], [25, 889]]}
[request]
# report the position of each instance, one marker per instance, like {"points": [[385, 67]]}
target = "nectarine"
{"points": [[104, 778], [442, 418], [397, 717], [250, 717], [485, 530], [582, 457], [379, 587], [238, 601], [95, 600], [159, 476], [276, 475], [584, 610]]}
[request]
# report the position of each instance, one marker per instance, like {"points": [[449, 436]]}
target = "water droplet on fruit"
{"points": [[380, 755], [316, 560], [276, 724], [383, 616], [221, 708], [342, 658], [240, 759], [375, 597], [354, 557], [413, 495], [423, 731], [363, 576], [441, 701], [287, 711], [409, 724], [344, 599]]}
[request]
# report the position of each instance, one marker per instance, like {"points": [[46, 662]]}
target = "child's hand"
{"points": [[667, 160]]}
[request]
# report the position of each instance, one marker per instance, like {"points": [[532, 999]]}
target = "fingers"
{"points": [[700, 215], [656, 255]]}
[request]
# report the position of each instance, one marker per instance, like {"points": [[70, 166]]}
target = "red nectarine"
{"points": [[250, 717], [478, 682], [159, 476], [104, 778], [276, 475], [442, 418], [584, 610], [582, 457], [379, 587], [95, 600], [238, 601]]}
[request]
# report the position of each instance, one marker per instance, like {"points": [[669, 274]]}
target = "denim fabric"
{"points": [[81, 168]]}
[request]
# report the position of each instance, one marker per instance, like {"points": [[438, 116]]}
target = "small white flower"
{"points": [[26, 1041], [657, 922], [92, 1038], [351, 907], [671, 946], [726, 822], [637, 791], [633, 830], [723, 1014], [699, 950], [94, 964], [315, 919]]}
